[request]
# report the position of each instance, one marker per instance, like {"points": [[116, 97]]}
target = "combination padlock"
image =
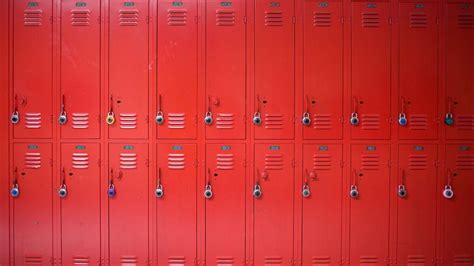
{"points": [[257, 191], [402, 191], [354, 193], [448, 192], [449, 119], [306, 192], [62, 191], [15, 118], [306, 120], [160, 119], [257, 119], [159, 191], [62, 119], [15, 191], [354, 119], [111, 191], [208, 192], [402, 119], [208, 118], [110, 119]]}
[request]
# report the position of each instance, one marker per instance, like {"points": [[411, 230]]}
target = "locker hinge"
{"points": [[341, 119], [147, 162], [436, 163], [244, 163], [196, 19], [51, 19], [293, 162], [437, 120], [99, 162], [341, 163], [342, 20], [390, 120], [293, 19], [195, 163], [389, 163], [51, 162], [245, 19], [195, 119], [147, 19], [99, 19], [390, 20]]}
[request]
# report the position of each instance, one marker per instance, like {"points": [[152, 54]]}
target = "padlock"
{"points": [[159, 191], [402, 192], [15, 118], [15, 191], [62, 119], [306, 191], [257, 119], [448, 192], [62, 192], [111, 191], [354, 193], [159, 119], [306, 120], [110, 119], [402, 119], [354, 119], [208, 192], [257, 191], [208, 118], [448, 119]]}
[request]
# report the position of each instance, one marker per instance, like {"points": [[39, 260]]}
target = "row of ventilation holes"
{"points": [[466, 21]]}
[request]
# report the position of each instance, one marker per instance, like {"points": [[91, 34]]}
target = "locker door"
{"points": [[225, 69], [80, 209], [370, 96], [176, 209], [80, 69], [128, 69], [128, 173], [458, 216], [323, 75], [416, 210], [32, 68], [460, 66], [418, 71], [274, 69], [322, 174], [225, 211], [370, 175], [177, 68], [273, 217], [32, 209]]}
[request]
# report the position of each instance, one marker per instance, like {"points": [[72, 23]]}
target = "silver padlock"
{"points": [[257, 119], [306, 192], [15, 118], [354, 193], [448, 192], [257, 191], [354, 119], [208, 118], [159, 191], [62, 192], [111, 191], [160, 118], [15, 191], [449, 119], [402, 119], [62, 119], [208, 192], [306, 120], [110, 119], [402, 192]]}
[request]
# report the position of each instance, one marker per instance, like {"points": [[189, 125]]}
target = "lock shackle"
{"points": [[306, 192], [306, 120], [257, 191], [208, 118], [208, 191]]}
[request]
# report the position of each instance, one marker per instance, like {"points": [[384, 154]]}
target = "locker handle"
{"points": [[402, 117], [354, 191], [208, 188], [15, 190], [111, 192], [354, 120], [263, 175], [110, 118], [159, 192], [448, 191], [208, 116], [401, 190], [449, 119], [160, 118], [15, 117], [62, 119]]}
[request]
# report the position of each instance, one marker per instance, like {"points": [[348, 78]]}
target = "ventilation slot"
{"points": [[225, 121], [177, 17], [416, 259], [463, 259], [322, 122], [370, 162], [273, 261], [273, 161], [33, 160], [370, 20], [33, 260], [465, 162], [273, 18], [274, 121], [80, 260], [321, 260], [128, 17], [418, 122], [368, 260], [33, 120], [176, 161], [176, 261], [176, 120], [80, 160], [370, 122], [322, 19], [225, 18], [225, 161], [128, 121], [125, 260], [466, 21], [465, 122], [417, 162], [80, 120], [80, 17], [322, 162], [33, 17], [224, 261], [418, 20], [128, 161]]}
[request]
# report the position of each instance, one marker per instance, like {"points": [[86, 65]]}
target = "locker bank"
{"points": [[237, 132]]}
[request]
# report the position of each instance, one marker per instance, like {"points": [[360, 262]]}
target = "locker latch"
{"points": [[111, 189], [402, 117], [354, 120], [208, 187], [402, 191], [306, 119], [15, 190], [448, 191], [449, 118], [160, 118], [354, 192], [110, 118], [257, 118], [159, 193], [15, 117], [62, 119]]}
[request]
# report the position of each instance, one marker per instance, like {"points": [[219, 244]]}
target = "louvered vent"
{"points": [[225, 17], [370, 122], [128, 17], [322, 162], [321, 260], [225, 121], [273, 18], [176, 120], [225, 261], [418, 122], [176, 161], [33, 160], [175, 260], [322, 19], [128, 161], [370, 162], [129, 260], [33, 260], [274, 121], [177, 17], [370, 20], [416, 259], [80, 260], [225, 161], [322, 121], [80, 120], [369, 260], [33, 17], [273, 260], [418, 20], [128, 120], [80, 17], [465, 122], [33, 120], [463, 259], [466, 21], [273, 161], [417, 162], [465, 162], [80, 160]]}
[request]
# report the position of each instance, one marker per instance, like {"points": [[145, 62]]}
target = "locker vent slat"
{"points": [[80, 17], [129, 260], [176, 161], [322, 19], [225, 121], [128, 120], [177, 17], [33, 260], [176, 261], [417, 162], [416, 259], [128, 17], [465, 122], [274, 161], [33, 160], [80, 260], [370, 20], [368, 259], [225, 261], [273, 18], [80, 160], [321, 260], [274, 121], [176, 120], [465, 162], [322, 162], [225, 161], [418, 122], [370, 162], [418, 20], [33, 17], [80, 120], [128, 161], [466, 21], [465, 258], [322, 121], [33, 120], [273, 261], [370, 122], [225, 17]]}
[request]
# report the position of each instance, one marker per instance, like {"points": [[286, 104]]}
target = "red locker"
{"points": [[370, 95], [225, 210], [416, 208], [322, 178], [128, 70], [32, 69], [128, 203], [323, 70], [80, 69], [176, 207], [80, 205], [369, 204], [273, 202], [458, 216], [418, 91], [460, 66], [32, 208], [177, 69], [274, 69], [225, 69]]}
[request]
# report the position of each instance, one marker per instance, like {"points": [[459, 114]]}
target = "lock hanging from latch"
{"points": [[15, 117], [62, 119], [160, 118], [111, 191], [402, 191], [257, 119], [257, 191], [15, 191], [306, 120], [159, 192], [448, 192], [208, 118], [62, 191], [354, 193], [208, 191], [306, 192], [354, 119], [110, 118], [402, 119], [449, 119]]}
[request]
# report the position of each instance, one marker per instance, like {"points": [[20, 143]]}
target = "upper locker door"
{"points": [[80, 209], [323, 70], [369, 205], [128, 206], [225, 69], [32, 209], [273, 210], [418, 77], [370, 96], [416, 208], [460, 66], [128, 70], [32, 69], [274, 69], [322, 176], [80, 69], [225, 210], [176, 207], [458, 216], [177, 69]]}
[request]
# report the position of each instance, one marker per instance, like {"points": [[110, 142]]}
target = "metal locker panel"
{"points": [[274, 210], [274, 69], [80, 69], [176, 209], [225, 211], [369, 210], [128, 208], [225, 69], [80, 208], [32, 209], [323, 70], [128, 70], [458, 216], [460, 66], [370, 95], [177, 69], [416, 208], [32, 69], [322, 178], [418, 91]]}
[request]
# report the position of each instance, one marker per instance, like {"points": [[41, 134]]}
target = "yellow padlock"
{"points": [[110, 118]]}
